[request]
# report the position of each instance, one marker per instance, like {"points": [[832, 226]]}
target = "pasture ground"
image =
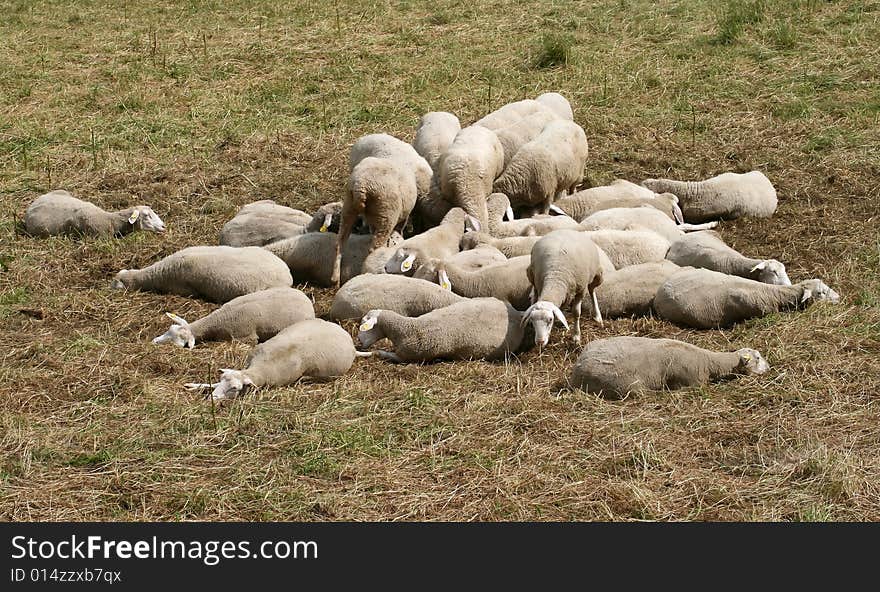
{"points": [[199, 107]]}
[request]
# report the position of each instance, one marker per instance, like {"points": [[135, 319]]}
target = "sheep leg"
{"points": [[578, 304], [390, 356], [345, 226], [695, 227], [597, 315]]}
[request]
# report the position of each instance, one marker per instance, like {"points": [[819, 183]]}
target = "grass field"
{"points": [[198, 107]]}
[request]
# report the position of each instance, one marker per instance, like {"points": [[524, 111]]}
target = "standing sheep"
{"points": [[558, 104], [619, 366], [629, 292], [510, 113], [706, 299], [313, 349], [408, 296], [546, 168], [467, 169], [434, 134], [217, 274], [641, 218], [708, 250], [480, 328], [256, 316], [506, 281], [516, 135], [727, 196], [564, 268], [58, 212]]}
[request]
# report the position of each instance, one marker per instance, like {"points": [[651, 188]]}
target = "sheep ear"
{"points": [[328, 219], [807, 295], [473, 223], [134, 216], [368, 324], [745, 357], [508, 213], [176, 319], [407, 263], [526, 316], [557, 210], [246, 380], [561, 317], [164, 338], [191, 341], [444, 280], [760, 265], [225, 370]]}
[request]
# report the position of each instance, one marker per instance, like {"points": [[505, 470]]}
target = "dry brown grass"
{"points": [[200, 108]]}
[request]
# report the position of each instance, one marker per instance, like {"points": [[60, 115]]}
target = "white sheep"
{"points": [[58, 212], [706, 299], [434, 134], [641, 218], [510, 113], [269, 207], [564, 269], [498, 204], [707, 249], [630, 247], [479, 328], [506, 281], [467, 169], [313, 349], [439, 242], [408, 296], [261, 223], [257, 316], [558, 103], [389, 147], [217, 274], [547, 167], [629, 292], [726, 196], [516, 135], [478, 258], [510, 246], [619, 194], [311, 257], [620, 366]]}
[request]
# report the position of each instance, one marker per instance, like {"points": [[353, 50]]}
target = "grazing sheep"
{"points": [[619, 366], [217, 274], [630, 247], [506, 281], [389, 147], [547, 167], [261, 223], [384, 192], [440, 242], [516, 135], [619, 194], [311, 256], [511, 246], [434, 134], [481, 328], [706, 299], [404, 295], [708, 250], [564, 268], [630, 292], [497, 203], [308, 349], [558, 104], [58, 212], [727, 196], [510, 113], [467, 169], [256, 316], [641, 218]]}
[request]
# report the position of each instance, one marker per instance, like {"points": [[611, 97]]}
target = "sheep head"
{"points": [[404, 261], [118, 282], [541, 314], [771, 271], [178, 334], [368, 331], [751, 362], [817, 291], [232, 384], [144, 218]]}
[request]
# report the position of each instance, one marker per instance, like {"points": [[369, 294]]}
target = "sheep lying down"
{"points": [[476, 328], [58, 212], [619, 366], [309, 349]]}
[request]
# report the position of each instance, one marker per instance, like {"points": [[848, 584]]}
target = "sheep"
{"points": [[480, 328], [704, 299], [389, 147], [547, 167], [511, 246], [707, 249], [439, 242], [217, 274], [467, 169], [262, 223], [726, 196], [308, 349], [407, 296], [505, 281], [641, 218], [558, 104], [478, 258], [58, 212], [564, 268], [619, 366], [311, 256], [497, 204], [516, 135], [384, 191], [257, 316], [630, 247], [619, 194], [434, 134], [268, 207], [512, 112], [629, 292]]}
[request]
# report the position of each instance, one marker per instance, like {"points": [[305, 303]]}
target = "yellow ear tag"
{"points": [[445, 285], [367, 325], [323, 228], [407, 263], [747, 357], [134, 216]]}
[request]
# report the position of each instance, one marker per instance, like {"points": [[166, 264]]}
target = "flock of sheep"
{"points": [[499, 245]]}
